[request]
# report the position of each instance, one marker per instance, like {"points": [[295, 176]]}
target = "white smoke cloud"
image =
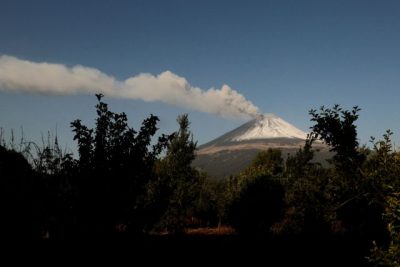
{"points": [[167, 87]]}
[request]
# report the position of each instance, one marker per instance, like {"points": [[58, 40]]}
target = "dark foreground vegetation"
{"points": [[126, 186]]}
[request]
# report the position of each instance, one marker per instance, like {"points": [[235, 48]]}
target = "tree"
{"points": [[269, 161], [256, 195], [299, 164], [265, 163], [115, 166], [382, 169], [353, 197], [383, 172], [336, 127], [390, 255], [258, 206], [306, 194], [181, 178], [17, 197]]}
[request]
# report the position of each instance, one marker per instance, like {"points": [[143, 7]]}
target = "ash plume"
{"points": [[18, 75]]}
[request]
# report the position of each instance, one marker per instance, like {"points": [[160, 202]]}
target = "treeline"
{"points": [[356, 198], [125, 184]]}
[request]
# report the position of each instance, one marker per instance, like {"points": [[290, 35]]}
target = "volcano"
{"points": [[232, 152]]}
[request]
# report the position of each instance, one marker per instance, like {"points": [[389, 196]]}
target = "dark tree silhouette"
{"points": [[180, 177], [258, 200], [259, 205], [16, 197], [353, 196], [115, 166], [336, 127]]}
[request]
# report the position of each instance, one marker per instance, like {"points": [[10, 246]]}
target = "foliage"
{"points": [[115, 166], [383, 167], [299, 164], [336, 127], [362, 187], [267, 162], [256, 195], [16, 197], [180, 178], [306, 194], [208, 209], [258, 206], [346, 199], [389, 256], [383, 170], [122, 183]]}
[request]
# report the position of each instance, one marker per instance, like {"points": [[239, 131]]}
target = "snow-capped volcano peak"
{"points": [[269, 126], [233, 151]]}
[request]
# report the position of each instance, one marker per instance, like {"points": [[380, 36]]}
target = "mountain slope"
{"points": [[232, 152]]}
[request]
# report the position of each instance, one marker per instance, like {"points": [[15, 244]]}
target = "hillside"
{"points": [[232, 152]]}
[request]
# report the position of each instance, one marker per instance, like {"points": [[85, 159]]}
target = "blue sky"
{"points": [[286, 57]]}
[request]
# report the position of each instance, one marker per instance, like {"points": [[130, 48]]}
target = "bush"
{"points": [[258, 206]]}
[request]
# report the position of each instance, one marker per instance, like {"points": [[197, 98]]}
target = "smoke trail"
{"points": [[167, 87]]}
